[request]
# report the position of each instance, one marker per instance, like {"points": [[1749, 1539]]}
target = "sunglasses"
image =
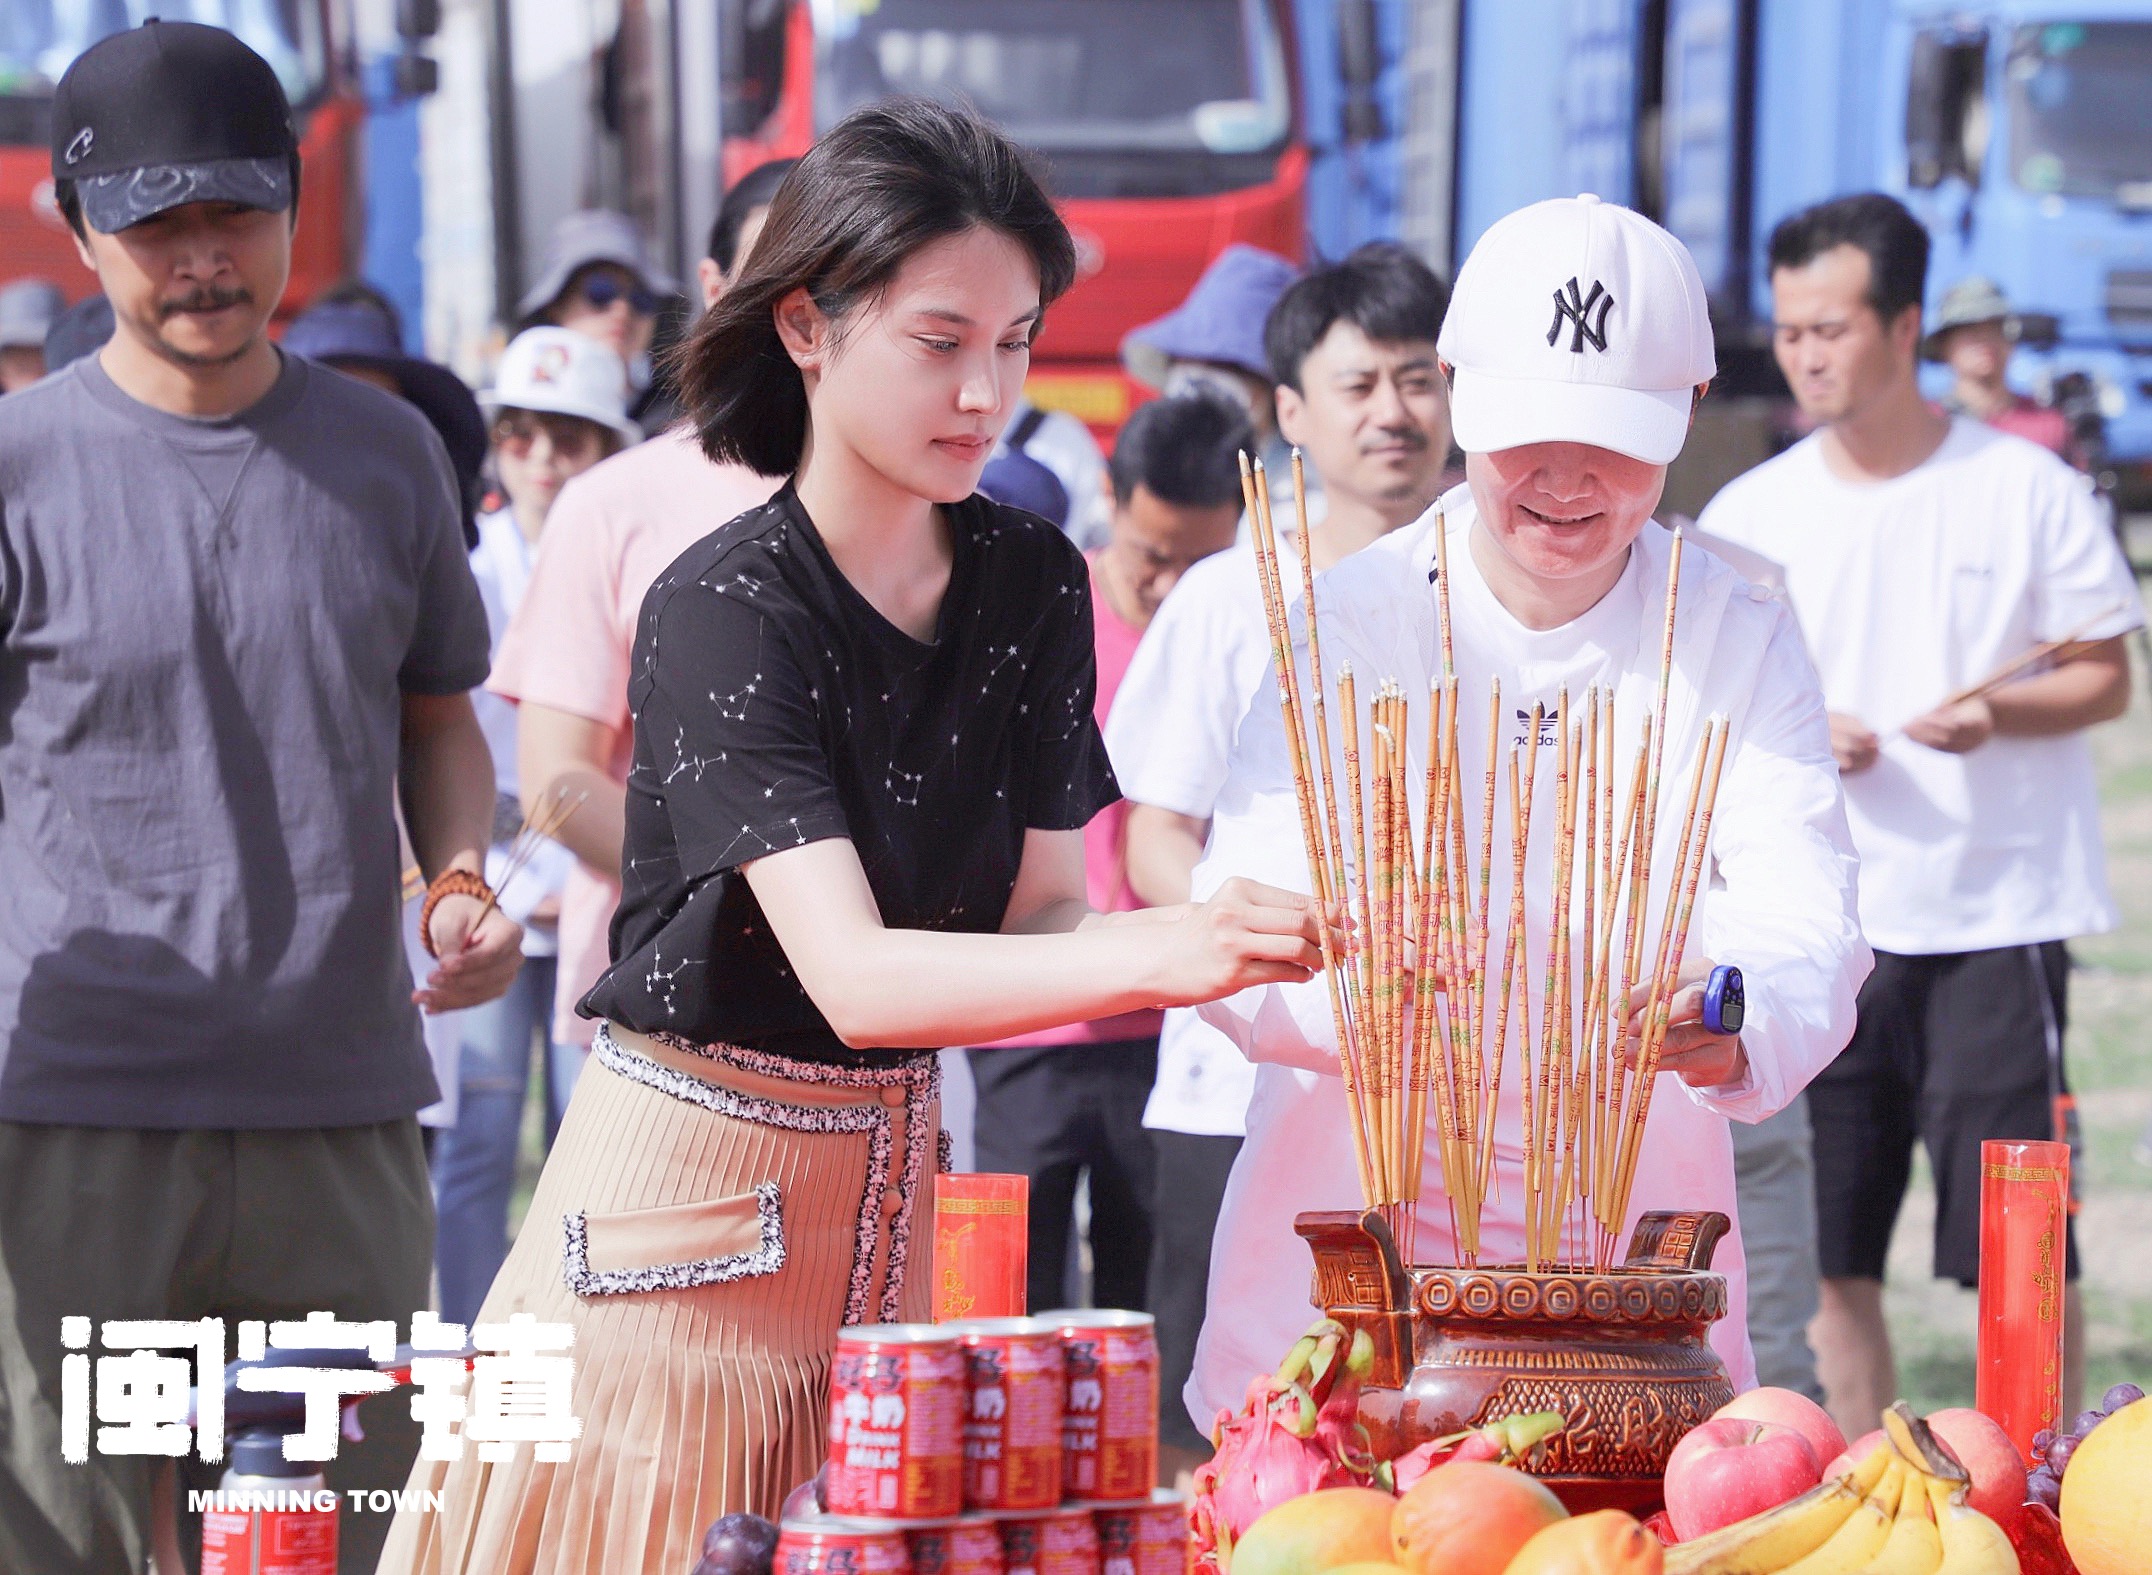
{"points": [[601, 290], [570, 436]]}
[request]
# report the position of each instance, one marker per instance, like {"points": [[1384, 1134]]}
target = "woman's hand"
{"points": [[1248, 934], [1692, 1052]]}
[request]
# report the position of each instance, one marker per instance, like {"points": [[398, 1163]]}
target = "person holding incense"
{"points": [[1628, 780], [1967, 604], [864, 753]]}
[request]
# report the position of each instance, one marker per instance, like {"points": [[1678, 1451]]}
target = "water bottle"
{"points": [[274, 1516]]}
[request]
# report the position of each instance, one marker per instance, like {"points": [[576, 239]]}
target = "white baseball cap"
{"points": [[564, 373], [1577, 321]]}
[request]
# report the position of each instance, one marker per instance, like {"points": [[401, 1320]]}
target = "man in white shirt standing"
{"points": [[1579, 341], [1352, 350], [1921, 552]]}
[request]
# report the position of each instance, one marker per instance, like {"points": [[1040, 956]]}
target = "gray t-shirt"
{"points": [[206, 631]]}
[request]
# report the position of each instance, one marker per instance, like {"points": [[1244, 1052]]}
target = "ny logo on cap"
{"points": [[1579, 308]]}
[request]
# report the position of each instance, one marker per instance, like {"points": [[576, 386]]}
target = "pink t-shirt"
{"points": [[1105, 848], [612, 533]]}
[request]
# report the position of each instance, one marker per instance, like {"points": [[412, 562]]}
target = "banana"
{"points": [[1764, 1544], [1972, 1543], [1864, 1532], [1914, 1546], [1911, 1436]]}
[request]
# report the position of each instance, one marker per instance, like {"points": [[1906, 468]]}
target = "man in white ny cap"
{"points": [[1577, 343]]}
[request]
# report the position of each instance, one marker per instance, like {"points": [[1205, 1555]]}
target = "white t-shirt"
{"points": [[1908, 590], [1204, 658], [1778, 901]]}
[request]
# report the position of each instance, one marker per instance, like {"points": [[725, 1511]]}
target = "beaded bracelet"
{"points": [[449, 883]]}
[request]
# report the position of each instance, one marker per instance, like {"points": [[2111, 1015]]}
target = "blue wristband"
{"points": [[1725, 1002]]}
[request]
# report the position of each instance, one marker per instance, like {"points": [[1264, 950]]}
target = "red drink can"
{"points": [[896, 1423], [1144, 1539], [969, 1547], [1109, 1431], [1063, 1542], [1012, 1427], [822, 1546]]}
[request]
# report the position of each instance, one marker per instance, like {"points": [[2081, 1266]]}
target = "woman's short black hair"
{"points": [[1183, 450], [753, 190], [1881, 226], [1380, 288], [879, 185]]}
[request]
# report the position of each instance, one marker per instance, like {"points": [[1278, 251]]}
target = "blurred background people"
{"points": [[1214, 338], [1922, 551], [598, 279], [1973, 334], [557, 407], [28, 309], [1065, 1106], [357, 333], [78, 330], [563, 660]]}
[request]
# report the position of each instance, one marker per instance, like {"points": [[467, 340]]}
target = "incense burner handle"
{"points": [[1361, 1281], [1668, 1240]]}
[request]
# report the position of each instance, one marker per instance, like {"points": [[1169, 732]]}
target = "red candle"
{"points": [[2024, 1204], [981, 1244]]}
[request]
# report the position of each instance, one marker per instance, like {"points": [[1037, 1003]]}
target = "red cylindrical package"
{"points": [[966, 1547], [1012, 1428], [1060, 1542], [896, 1423], [1144, 1539], [821, 1546], [1109, 1432]]}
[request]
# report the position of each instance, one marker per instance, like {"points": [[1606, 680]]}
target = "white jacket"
{"points": [[1779, 901]]}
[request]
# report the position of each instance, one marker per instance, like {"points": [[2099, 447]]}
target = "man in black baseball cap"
{"points": [[165, 114], [238, 630]]}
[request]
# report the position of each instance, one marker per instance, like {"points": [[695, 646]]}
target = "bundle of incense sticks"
{"points": [[540, 824], [1424, 1042]]}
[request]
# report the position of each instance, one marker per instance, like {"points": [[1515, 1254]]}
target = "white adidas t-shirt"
{"points": [[1908, 590]]}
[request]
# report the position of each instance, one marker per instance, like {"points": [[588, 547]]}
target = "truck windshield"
{"points": [[1069, 76], [40, 38], [2080, 118]]}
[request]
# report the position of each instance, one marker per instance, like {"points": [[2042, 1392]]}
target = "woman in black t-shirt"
{"points": [[864, 755]]}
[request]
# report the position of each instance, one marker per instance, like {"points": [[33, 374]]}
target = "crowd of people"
{"points": [[875, 712]]}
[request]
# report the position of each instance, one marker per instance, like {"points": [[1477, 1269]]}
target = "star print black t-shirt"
{"points": [[775, 707]]}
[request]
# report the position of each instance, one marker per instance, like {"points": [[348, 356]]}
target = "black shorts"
{"points": [[1950, 1049]]}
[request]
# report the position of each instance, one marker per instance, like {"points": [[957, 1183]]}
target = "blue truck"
{"points": [[2020, 131]]}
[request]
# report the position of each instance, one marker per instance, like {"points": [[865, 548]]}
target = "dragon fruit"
{"points": [[1506, 1441], [1298, 1430]]}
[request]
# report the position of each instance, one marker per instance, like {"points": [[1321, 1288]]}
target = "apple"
{"points": [[1789, 1409], [1731, 1468], [1990, 1459], [1857, 1451]]}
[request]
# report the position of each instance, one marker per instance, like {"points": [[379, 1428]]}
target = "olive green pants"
{"points": [[103, 1223]]}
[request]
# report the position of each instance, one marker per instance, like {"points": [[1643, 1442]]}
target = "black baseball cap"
{"points": [[170, 113]]}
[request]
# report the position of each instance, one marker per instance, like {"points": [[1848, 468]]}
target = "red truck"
{"points": [[305, 40], [1167, 129]]}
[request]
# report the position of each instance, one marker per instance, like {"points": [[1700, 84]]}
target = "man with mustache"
{"points": [[237, 630], [1577, 343], [1352, 356], [1921, 552]]}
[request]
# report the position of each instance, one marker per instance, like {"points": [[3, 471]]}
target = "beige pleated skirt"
{"points": [[708, 1220]]}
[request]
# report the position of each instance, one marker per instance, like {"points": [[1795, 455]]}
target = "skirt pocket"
{"points": [[677, 1247]]}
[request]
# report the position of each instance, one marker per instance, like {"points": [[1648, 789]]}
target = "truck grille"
{"points": [[2129, 297]]}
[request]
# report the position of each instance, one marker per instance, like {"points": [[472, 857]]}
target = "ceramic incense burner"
{"points": [[1620, 1353]]}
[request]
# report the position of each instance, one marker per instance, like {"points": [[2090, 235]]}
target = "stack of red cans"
{"points": [[1000, 1446]]}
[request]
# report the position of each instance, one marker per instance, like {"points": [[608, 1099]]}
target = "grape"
{"points": [[2087, 1421], [2042, 1442], [2058, 1457], [2119, 1396], [808, 1499], [2043, 1488], [738, 1545]]}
